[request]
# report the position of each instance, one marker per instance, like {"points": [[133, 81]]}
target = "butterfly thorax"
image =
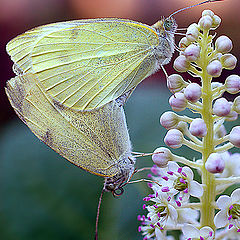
{"points": [[165, 29], [126, 168]]}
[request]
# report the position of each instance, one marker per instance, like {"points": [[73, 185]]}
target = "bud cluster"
{"points": [[204, 58]]}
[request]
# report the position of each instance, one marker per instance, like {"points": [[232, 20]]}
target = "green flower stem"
{"points": [[192, 145], [186, 162], [224, 148], [229, 180], [221, 140], [208, 179]]}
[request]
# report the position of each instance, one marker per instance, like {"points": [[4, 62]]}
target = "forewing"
{"points": [[88, 63], [93, 140]]}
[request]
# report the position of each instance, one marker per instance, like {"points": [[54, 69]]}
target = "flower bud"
{"points": [[162, 156], [174, 138], [192, 52], [228, 61], [214, 68], [169, 120], [192, 32], [223, 44], [178, 102], [221, 132], [216, 22], [215, 163], [181, 64], [232, 84], [198, 128], [175, 83], [193, 92], [221, 107], [183, 43], [205, 22], [234, 136], [236, 104], [207, 13]]}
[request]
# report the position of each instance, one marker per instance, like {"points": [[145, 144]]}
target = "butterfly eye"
{"points": [[169, 24]]}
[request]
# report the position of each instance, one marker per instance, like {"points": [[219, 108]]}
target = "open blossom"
{"points": [[159, 214], [177, 180], [191, 233], [229, 213]]}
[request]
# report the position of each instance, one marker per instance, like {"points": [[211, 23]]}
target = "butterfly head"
{"points": [[165, 26], [115, 183]]}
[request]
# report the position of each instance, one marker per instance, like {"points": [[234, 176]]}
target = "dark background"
{"points": [[42, 196]]}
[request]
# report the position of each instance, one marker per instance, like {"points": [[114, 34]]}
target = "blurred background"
{"points": [[42, 196]]}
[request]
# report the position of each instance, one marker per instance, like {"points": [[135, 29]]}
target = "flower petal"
{"points": [[236, 196], [172, 213], [188, 172], [205, 232], [190, 231], [195, 189], [220, 219], [224, 201], [173, 166]]}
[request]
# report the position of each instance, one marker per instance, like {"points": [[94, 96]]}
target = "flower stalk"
{"points": [[204, 59]]}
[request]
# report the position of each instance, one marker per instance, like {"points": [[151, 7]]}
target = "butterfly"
{"points": [[85, 64], [96, 140]]}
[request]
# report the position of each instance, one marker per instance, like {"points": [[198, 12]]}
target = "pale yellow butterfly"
{"points": [[96, 140], [85, 64]]}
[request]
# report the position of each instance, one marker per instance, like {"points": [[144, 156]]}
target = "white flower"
{"points": [[178, 180], [192, 233], [162, 210], [229, 213]]}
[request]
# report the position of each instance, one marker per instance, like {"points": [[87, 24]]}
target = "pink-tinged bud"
{"points": [[221, 132], [178, 102], [192, 52], [236, 104], [216, 22], [234, 136], [169, 120], [198, 128], [215, 163], [162, 156], [205, 22], [207, 13], [228, 61], [214, 68], [221, 107], [232, 84], [183, 43], [175, 83], [192, 32], [193, 92], [181, 64], [174, 138], [223, 44]]}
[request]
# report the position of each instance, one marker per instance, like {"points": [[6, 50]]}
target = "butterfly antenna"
{"points": [[183, 9], [98, 211]]}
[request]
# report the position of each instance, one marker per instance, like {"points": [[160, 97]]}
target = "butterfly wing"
{"points": [[93, 140], [87, 63]]}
